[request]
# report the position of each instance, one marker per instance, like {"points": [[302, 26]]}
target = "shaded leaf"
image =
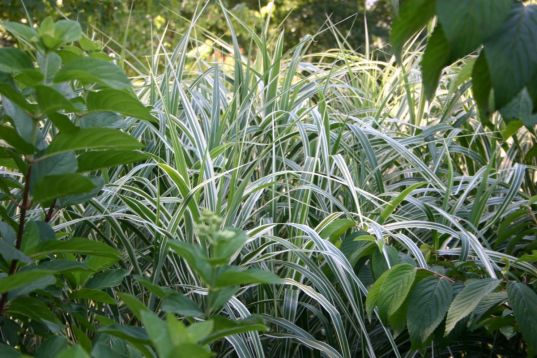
{"points": [[427, 306], [512, 53], [467, 300], [56, 186]]}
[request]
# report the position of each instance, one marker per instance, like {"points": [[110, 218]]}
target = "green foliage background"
{"points": [[146, 19]]}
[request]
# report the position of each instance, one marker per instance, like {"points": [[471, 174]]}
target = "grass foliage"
{"points": [[305, 153]]}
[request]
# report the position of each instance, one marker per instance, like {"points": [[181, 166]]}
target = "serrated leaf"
{"points": [[467, 300], [427, 306], [56, 186], [118, 101], [468, 23], [413, 16], [512, 53], [92, 138], [390, 290], [89, 70], [435, 58], [523, 300]]}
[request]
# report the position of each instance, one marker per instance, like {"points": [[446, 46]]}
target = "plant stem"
{"points": [[20, 231]]}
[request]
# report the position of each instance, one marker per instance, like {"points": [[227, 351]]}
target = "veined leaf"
{"points": [[467, 300], [427, 306], [512, 53], [391, 289], [468, 23], [523, 300]]}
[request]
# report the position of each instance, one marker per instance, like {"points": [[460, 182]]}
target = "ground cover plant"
{"points": [[264, 203]]}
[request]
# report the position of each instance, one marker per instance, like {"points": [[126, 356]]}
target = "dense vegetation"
{"points": [[270, 202]]}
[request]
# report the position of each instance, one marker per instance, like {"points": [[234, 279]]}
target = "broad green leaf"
{"points": [[30, 237], [9, 352], [67, 31], [36, 284], [224, 327], [427, 305], [92, 138], [93, 295], [66, 201], [118, 101], [35, 309], [11, 137], [158, 333], [13, 60], [77, 246], [227, 244], [337, 228], [107, 279], [49, 64], [73, 352], [520, 108], [51, 347], [523, 300], [435, 58], [512, 53], [50, 100], [62, 163], [251, 276], [394, 203], [21, 279], [468, 23], [133, 303], [56, 186], [391, 289], [481, 85], [413, 16], [20, 31], [467, 300], [102, 120], [181, 305], [110, 158], [190, 350], [89, 70], [194, 258], [10, 253], [23, 123]]}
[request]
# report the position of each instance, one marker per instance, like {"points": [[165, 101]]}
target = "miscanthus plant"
{"points": [[308, 205]]}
